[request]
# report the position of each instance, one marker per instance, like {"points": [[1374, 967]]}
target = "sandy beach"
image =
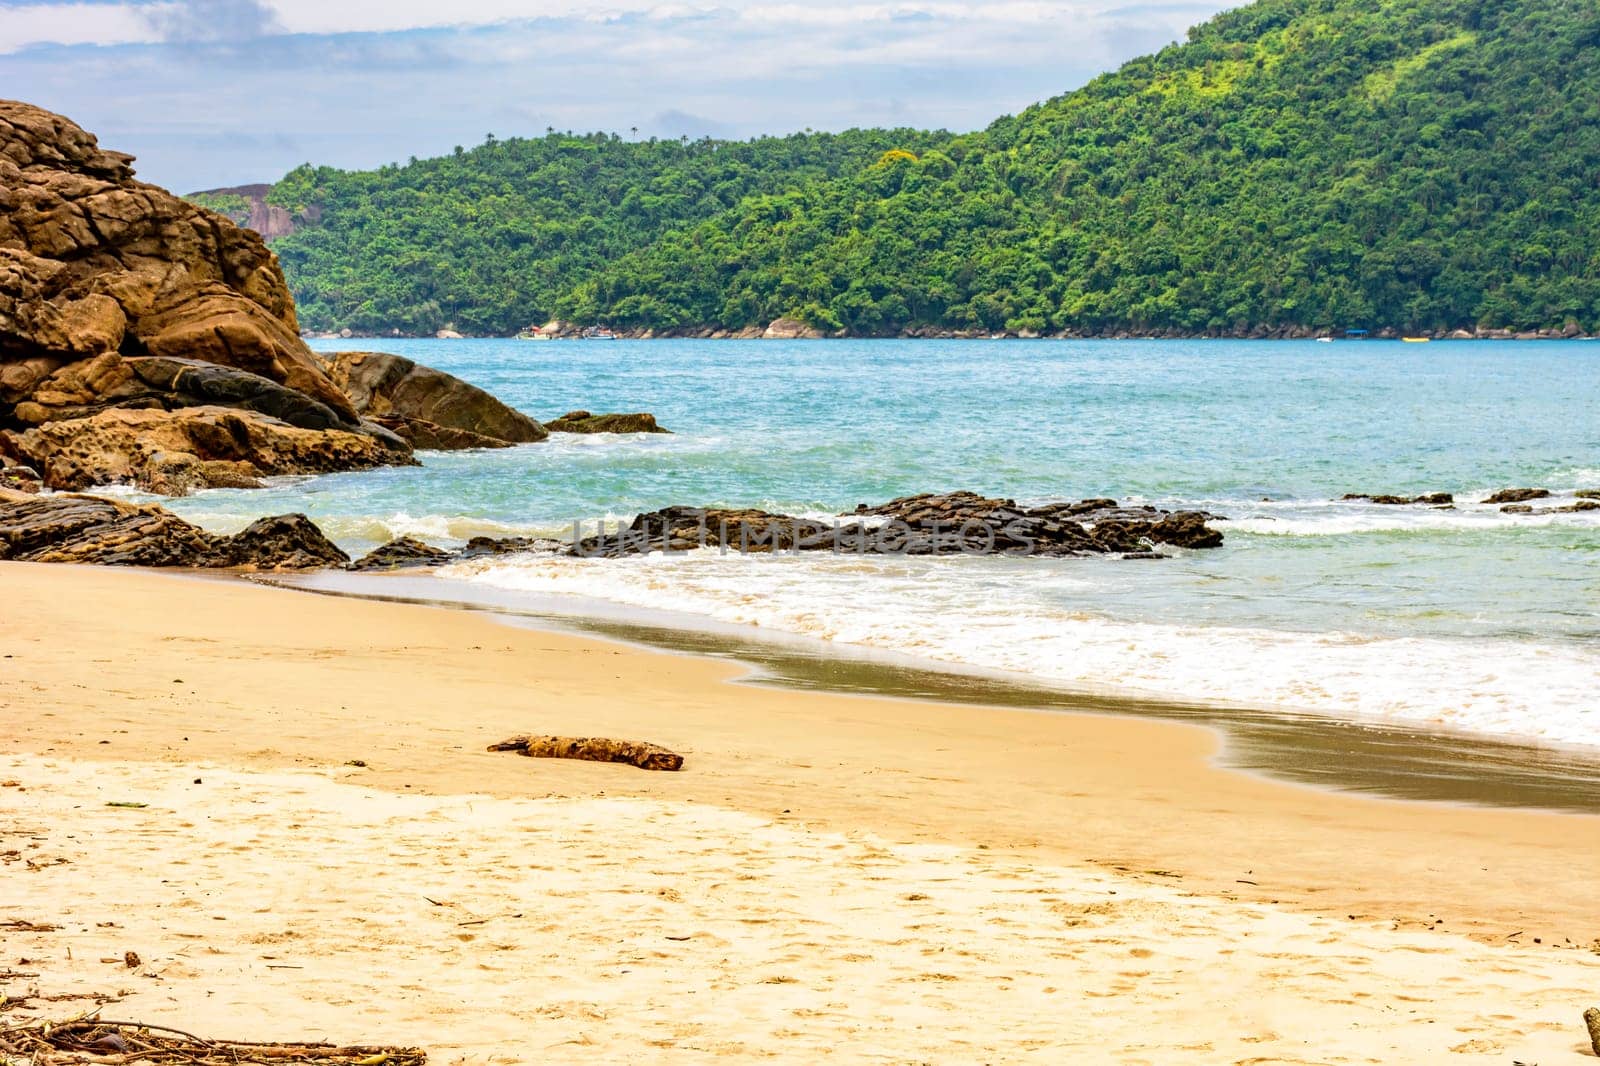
{"points": [[843, 877]]}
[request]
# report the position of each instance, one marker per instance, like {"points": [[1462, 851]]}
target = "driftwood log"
{"points": [[1591, 1018], [90, 1040], [594, 749]]}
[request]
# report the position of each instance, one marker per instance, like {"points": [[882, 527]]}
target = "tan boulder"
{"points": [[390, 388], [584, 422], [785, 329]]}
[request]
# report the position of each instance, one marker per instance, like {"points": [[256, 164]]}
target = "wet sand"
{"points": [[832, 875], [1397, 761]]}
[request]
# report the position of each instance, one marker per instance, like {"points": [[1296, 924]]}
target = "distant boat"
{"points": [[1416, 340], [1324, 340]]}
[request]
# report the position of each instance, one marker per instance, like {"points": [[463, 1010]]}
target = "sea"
{"points": [[1462, 618]]}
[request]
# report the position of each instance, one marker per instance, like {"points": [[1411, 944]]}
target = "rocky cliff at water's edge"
{"points": [[145, 340]]}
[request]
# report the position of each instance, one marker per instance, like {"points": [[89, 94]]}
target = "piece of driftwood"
{"points": [[594, 749], [129, 1043], [1591, 1018]]}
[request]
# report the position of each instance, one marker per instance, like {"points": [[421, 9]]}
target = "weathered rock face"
{"points": [[427, 436], [948, 524], [584, 422], [396, 390], [93, 261], [786, 329], [176, 452], [110, 380], [92, 529]]}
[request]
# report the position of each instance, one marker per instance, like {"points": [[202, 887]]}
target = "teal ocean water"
{"points": [[1463, 618]]}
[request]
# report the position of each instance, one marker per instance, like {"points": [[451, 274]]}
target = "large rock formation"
{"points": [[94, 261], [129, 317], [429, 407], [92, 529]]}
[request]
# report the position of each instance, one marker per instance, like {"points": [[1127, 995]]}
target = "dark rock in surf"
{"points": [[958, 523], [1434, 499], [1518, 495], [92, 529], [403, 553]]}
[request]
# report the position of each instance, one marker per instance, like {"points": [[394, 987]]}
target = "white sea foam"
{"points": [[978, 612], [1328, 518]]}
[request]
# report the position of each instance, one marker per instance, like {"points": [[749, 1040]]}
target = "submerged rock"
{"points": [[584, 422], [408, 552], [92, 529], [1435, 499], [1571, 508]]}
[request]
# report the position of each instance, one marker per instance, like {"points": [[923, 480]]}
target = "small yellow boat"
{"points": [[1416, 340]]}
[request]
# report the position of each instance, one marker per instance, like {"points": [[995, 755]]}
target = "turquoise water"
{"points": [[1465, 618]]}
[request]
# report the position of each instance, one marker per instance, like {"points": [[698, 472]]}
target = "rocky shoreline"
{"points": [[76, 528], [149, 342], [793, 329]]}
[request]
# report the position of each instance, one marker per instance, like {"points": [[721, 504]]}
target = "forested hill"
{"points": [[494, 238], [1422, 164]]}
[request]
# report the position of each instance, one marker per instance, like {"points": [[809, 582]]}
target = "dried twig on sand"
{"points": [[134, 1043], [594, 749]]}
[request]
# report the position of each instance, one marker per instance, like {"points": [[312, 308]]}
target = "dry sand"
{"points": [[830, 877]]}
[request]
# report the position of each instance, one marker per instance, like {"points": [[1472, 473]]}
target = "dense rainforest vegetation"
{"points": [[1420, 164]]}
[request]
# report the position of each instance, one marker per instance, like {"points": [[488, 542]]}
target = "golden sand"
{"points": [[849, 878]]}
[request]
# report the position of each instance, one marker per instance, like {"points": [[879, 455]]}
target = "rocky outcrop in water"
{"points": [[1432, 499], [1518, 495], [421, 402], [92, 529], [584, 422], [958, 523], [407, 553]]}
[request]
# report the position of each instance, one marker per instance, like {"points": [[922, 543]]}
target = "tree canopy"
{"points": [[1421, 164]]}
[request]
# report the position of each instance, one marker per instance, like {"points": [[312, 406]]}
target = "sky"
{"points": [[210, 93]]}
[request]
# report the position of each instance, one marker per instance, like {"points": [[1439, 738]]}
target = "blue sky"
{"points": [[219, 92]]}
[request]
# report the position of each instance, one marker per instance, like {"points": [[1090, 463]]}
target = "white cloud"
{"points": [[24, 25], [125, 22], [242, 90]]}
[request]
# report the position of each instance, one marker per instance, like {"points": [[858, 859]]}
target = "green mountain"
{"points": [[493, 238], [1421, 164]]}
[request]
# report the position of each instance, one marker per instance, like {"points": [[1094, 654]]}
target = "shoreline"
{"points": [[722, 334], [910, 880], [1000, 776], [1390, 760]]}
